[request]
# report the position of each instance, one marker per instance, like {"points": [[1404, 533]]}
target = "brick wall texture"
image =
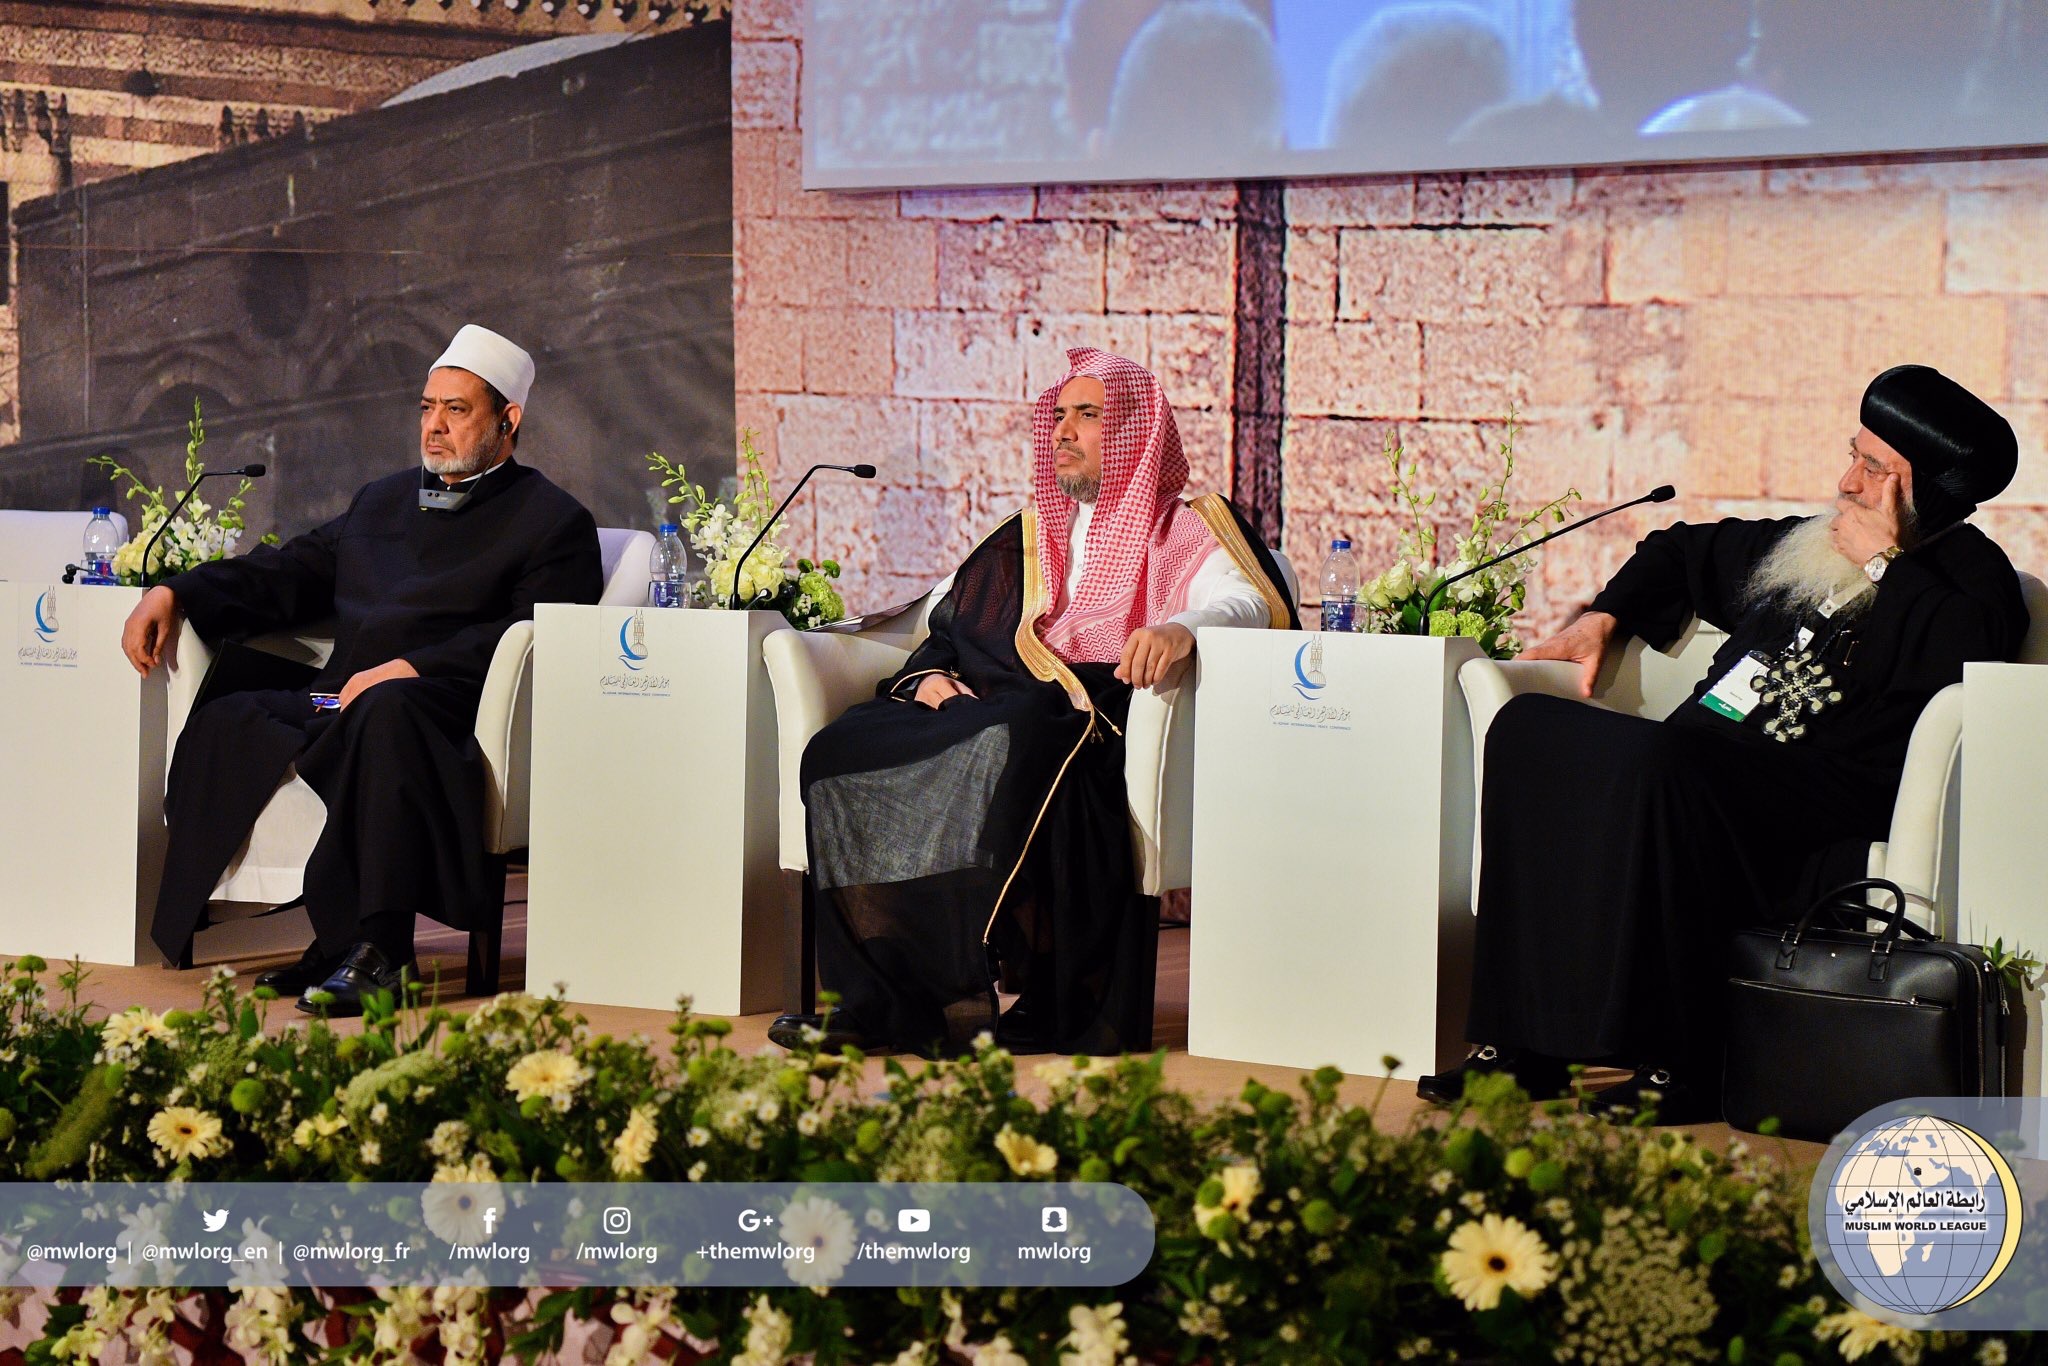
{"points": [[1711, 328]]}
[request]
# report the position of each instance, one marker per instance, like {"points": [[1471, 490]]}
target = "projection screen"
{"points": [[902, 93]]}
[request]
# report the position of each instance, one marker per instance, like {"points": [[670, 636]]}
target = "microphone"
{"points": [[857, 471], [1663, 493], [244, 472]]}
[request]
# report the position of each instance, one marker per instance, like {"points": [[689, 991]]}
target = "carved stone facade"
{"points": [[300, 287], [91, 89]]}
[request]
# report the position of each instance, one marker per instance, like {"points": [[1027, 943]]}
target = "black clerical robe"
{"points": [[991, 835], [399, 769], [1619, 851]]}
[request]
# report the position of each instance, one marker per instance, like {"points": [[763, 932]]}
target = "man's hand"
{"points": [[1860, 531], [151, 630], [1155, 654], [933, 689], [370, 678], [1584, 643]]}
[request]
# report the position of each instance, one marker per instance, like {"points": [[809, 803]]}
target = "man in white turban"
{"points": [[420, 577]]}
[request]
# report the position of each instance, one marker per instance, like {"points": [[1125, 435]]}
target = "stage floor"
{"points": [[117, 988]]}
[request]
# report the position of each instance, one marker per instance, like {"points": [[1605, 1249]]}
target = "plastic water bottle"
{"points": [[102, 540], [668, 569], [1340, 588]]}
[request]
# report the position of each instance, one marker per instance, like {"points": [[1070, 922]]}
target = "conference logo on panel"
{"points": [[637, 678], [48, 652], [1921, 1215], [1303, 696]]}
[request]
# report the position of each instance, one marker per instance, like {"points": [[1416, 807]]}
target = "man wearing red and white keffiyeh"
{"points": [[1138, 571], [984, 833]]}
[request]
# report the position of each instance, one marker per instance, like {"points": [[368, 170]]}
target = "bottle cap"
{"points": [[103, 512], [667, 527], [1341, 543]]}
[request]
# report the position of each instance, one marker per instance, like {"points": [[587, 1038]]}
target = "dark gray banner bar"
{"points": [[838, 1234]]}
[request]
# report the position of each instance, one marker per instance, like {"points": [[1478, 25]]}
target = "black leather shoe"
{"points": [[364, 969], [1670, 1098], [310, 971], [788, 1031], [1542, 1078], [1021, 1031]]}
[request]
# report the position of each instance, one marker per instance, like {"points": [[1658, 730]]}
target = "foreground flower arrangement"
{"points": [[1290, 1228]]}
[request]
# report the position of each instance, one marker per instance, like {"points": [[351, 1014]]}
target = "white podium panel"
{"points": [[652, 866], [2002, 868], [82, 751], [1333, 819]]}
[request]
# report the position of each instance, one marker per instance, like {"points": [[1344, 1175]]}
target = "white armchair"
{"points": [[817, 675], [269, 869], [1919, 852]]}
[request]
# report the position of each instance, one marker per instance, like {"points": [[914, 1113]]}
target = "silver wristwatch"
{"points": [[1874, 567]]}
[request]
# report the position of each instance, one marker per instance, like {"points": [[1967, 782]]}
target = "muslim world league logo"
{"points": [[45, 613], [1922, 1214]]}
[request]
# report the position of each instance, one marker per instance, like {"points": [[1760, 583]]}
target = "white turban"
{"points": [[492, 359]]}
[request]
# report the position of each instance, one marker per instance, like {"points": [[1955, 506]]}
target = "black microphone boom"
{"points": [[245, 472], [733, 598], [1663, 493]]}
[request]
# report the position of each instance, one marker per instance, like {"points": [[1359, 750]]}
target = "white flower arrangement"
{"points": [[1404, 598], [201, 534], [719, 534]]}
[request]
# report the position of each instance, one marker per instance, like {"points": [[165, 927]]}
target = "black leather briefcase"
{"points": [[1824, 1024]]}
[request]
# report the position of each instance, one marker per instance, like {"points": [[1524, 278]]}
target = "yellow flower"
{"points": [[1026, 1155], [550, 1074], [183, 1132], [319, 1126], [635, 1143], [124, 1033], [1495, 1254], [1241, 1186], [1861, 1335]]}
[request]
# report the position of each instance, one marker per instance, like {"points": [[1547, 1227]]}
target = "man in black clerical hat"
{"points": [[421, 576], [1604, 908]]}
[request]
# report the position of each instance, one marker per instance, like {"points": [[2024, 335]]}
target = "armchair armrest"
{"points": [[1159, 771], [1919, 851], [816, 676], [504, 733]]}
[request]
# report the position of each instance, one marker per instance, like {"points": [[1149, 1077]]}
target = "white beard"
{"points": [[465, 464], [1078, 487], [1804, 570]]}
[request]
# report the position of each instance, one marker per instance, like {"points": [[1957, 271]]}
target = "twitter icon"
{"points": [[216, 1221]]}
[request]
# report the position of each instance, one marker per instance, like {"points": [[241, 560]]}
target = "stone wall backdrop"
{"points": [[91, 89], [302, 287], [1711, 327]]}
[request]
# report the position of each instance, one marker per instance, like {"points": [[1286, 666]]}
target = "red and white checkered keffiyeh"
{"points": [[1144, 544]]}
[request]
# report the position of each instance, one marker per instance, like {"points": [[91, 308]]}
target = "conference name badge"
{"points": [[1735, 695]]}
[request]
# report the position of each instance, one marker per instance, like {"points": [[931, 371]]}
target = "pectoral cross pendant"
{"points": [[1800, 687]]}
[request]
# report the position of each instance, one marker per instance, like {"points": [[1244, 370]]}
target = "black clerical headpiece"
{"points": [[1962, 452]]}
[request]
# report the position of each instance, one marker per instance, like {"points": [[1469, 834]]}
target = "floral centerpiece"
{"points": [[1295, 1224], [720, 533], [201, 535], [1404, 599]]}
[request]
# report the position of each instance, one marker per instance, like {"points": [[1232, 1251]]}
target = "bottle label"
{"points": [[1340, 616], [662, 593]]}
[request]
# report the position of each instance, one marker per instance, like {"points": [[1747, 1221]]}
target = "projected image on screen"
{"points": [[961, 92]]}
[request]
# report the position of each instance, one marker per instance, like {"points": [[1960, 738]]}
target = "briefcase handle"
{"points": [[1846, 897]]}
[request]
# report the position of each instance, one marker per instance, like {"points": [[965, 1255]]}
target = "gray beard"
{"points": [[1078, 487], [466, 464], [1804, 569]]}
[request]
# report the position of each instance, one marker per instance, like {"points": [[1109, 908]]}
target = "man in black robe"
{"points": [[1620, 852], [421, 576], [971, 821]]}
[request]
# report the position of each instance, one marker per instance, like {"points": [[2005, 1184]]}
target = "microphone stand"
{"points": [[1662, 493], [246, 472], [733, 600]]}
